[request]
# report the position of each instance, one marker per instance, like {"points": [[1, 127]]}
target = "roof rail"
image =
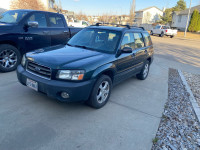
{"points": [[119, 25], [138, 27]]}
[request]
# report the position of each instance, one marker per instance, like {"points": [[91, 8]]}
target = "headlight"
{"points": [[23, 60], [71, 74]]}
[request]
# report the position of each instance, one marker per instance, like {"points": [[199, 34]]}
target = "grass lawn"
{"points": [[189, 35]]}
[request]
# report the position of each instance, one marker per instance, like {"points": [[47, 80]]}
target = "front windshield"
{"points": [[13, 16], [96, 39]]}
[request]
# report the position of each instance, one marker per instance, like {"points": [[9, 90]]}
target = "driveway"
{"points": [[30, 120]]}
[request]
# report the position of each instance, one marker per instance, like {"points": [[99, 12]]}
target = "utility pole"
{"points": [[188, 19]]}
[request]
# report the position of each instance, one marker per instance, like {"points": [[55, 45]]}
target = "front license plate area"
{"points": [[32, 84]]}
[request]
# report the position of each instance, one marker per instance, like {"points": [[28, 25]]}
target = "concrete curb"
{"points": [[191, 97]]}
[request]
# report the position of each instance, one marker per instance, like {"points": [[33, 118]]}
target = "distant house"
{"points": [[148, 15], [69, 15], [179, 18]]}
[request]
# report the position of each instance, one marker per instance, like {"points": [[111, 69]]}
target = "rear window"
{"points": [[56, 21], [147, 39]]}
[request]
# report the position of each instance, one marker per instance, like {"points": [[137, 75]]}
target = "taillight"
{"points": [[166, 30]]}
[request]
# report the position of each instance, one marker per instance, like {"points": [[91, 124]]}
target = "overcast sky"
{"points": [[95, 7]]}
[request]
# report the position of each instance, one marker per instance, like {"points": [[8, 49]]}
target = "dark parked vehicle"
{"points": [[22, 31], [93, 61]]}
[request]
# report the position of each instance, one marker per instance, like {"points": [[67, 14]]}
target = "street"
{"points": [[31, 120]]}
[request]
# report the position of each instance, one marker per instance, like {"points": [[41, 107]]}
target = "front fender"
{"points": [[104, 68]]}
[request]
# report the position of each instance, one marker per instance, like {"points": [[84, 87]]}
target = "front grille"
{"points": [[39, 70]]}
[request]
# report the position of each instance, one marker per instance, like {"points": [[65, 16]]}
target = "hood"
{"points": [[66, 57], [5, 26]]}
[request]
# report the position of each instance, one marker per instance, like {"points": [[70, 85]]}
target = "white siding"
{"points": [[151, 15], [180, 24], [5, 4], [45, 3]]}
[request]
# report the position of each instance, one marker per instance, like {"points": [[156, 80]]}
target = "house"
{"points": [[69, 15], [179, 18], [48, 4], [148, 15]]}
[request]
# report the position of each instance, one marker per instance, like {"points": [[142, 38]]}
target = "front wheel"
{"points": [[162, 34], [171, 36], [9, 58], [144, 72], [101, 92]]}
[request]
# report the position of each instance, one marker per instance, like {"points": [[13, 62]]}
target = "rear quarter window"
{"points": [[147, 39]]}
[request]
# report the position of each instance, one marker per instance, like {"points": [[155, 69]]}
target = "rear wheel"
{"points": [[171, 36], [101, 92], [9, 58], [144, 72]]}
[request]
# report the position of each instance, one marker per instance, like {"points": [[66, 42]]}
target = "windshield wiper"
{"points": [[69, 44], [81, 46], [2, 22], [85, 47]]}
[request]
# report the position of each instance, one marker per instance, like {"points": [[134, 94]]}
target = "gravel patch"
{"points": [[179, 128], [194, 82]]}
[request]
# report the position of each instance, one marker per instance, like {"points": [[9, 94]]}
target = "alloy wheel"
{"points": [[8, 58], [103, 92], [146, 70]]}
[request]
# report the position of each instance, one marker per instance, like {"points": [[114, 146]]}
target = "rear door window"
{"points": [[139, 42], [147, 39], [56, 21]]}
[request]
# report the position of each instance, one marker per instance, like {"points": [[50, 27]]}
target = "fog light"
{"points": [[64, 95]]}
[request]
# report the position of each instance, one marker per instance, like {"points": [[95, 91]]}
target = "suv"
{"points": [[93, 61], [24, 30]]}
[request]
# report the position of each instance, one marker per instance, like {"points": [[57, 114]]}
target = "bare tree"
{"points": [[132, 13], [27, 4]]}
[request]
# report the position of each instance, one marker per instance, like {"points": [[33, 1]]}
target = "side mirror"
{"points": [[32, 24], [127, 50]]}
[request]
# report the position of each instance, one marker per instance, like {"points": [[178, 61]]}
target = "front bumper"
{"points": [[78, 91]]}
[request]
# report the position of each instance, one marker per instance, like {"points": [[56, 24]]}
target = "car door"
{"points": [[59, 33], [126, 61], [37, 37], [157, 29], [140, 51]]}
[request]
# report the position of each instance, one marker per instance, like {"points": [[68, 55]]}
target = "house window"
{"points": [[179, 18]]}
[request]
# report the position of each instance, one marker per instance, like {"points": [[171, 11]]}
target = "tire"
{"points": [[162, 34], [171, 36], [144, 73], [96, 102], [10, 58], [151, 33]]}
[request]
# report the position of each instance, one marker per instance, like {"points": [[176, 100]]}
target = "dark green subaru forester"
{"points": [[93, 61]]}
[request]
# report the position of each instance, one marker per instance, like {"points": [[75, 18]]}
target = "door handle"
{"points": [[65, 31], [133, 55]]}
